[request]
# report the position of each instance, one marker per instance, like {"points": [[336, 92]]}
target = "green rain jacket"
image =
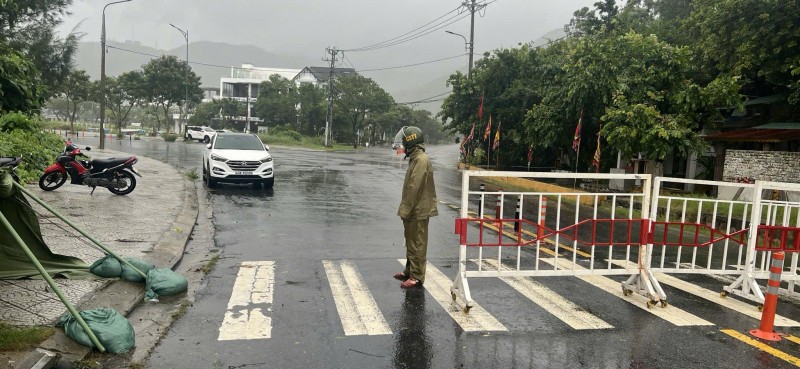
{"points": [[419, 192]]}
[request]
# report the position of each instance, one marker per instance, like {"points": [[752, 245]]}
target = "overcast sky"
{"points": [[307, 27]]}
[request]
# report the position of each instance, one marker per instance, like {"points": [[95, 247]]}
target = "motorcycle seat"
{"points": [[107, 163], [9, 161]]}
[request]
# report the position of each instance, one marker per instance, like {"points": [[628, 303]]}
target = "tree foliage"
{"points": [[28, 26], [276, 101], [164, 81], [75, 90], [20, 83], [652, 73], [356, 97]]}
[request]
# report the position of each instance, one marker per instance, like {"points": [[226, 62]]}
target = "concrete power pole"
{"points": [[329, 118], [473, 7]]}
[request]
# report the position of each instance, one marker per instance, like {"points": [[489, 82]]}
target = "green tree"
{"points": [[755, 39], [29, 27], [313, 108], [76, 90], [276, 102], [123, 94], [164, 79], [20, 83], [356, 97]]}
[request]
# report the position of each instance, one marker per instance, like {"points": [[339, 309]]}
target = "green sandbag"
{"points": [[113, 331], [129, 274], [164, 282], [106, 267]]}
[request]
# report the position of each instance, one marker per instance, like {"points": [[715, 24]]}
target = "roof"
{"points": [[759, 134], [784, 125], [771, 99], [322, 73]]}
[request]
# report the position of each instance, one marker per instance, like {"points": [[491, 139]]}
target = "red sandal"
{"points": [[410, 283], [400, 276]]}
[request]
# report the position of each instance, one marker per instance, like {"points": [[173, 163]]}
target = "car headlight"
{"points": [[266, 160], [216, 157]]}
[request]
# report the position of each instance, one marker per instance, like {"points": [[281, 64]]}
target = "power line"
{"points": [[439, 26], [426, 100], [411, 65], [405, 34]]}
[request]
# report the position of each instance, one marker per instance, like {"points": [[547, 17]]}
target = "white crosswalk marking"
{"points": [[555, 304], [671, 314], [357, 309], [730, 303], [251, 295], [477, 320]]}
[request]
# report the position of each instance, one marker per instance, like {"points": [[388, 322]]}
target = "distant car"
{"points": [[200, 133], [238, 158]]}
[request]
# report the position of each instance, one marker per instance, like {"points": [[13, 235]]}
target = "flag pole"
{"points": [[488, 150], [577, 155]]}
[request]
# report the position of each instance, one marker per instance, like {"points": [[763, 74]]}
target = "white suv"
{"points": [[204, 134], [237, 158]]}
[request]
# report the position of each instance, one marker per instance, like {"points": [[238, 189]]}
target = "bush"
{"points": [[169, 137], [38, 150], [17, 121]]}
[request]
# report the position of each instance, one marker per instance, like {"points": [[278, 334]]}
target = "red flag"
{"points": [[596, 159], [471, 132], [576, 141], [530, 154], [480, 110], [488, 130], [496, 138]]}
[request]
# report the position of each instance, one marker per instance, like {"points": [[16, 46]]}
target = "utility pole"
{"points": [[185, 108], [329, 118], [103, 76], [473, 7]]}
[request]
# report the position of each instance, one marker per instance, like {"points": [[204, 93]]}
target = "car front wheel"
{"points": [[206, 139], [210, 182]]}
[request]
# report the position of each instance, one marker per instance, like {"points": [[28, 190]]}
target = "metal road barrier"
{"points": [[614, 227], [598, 232], [777, 207]]}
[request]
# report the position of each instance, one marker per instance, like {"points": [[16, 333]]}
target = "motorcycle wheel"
{"points": [[51, 181], [127, 177]]}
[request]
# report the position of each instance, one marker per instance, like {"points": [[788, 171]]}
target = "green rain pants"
{"points": [[416, 233]]}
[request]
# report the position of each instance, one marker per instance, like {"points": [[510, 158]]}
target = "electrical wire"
{"points": [[405, 34], [411, 65], [417, 35], [426, 100], [422, 31]]}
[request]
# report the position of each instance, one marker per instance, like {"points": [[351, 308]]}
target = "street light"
{"points": [[103, 76], [186, 82], [466, 50]]}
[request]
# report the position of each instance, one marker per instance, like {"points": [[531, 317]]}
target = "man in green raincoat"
{"points": [[418, 204]]}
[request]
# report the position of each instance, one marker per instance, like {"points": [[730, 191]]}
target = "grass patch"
{"points": [[192, 175], [291, 138], [210, 265], [181, 311], [22, 338], [136, 365]]}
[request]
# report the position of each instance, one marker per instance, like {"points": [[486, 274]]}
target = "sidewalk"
{"points": [[152, 223]]}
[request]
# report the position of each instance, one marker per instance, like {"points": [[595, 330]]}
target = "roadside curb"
{"points": [[121, 295]]}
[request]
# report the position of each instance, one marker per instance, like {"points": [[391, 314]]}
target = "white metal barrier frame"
{"points": [[546, 237], [712, 230], [774, 219]]}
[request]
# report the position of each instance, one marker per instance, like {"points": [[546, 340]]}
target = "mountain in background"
{"points": [[212, 60]]}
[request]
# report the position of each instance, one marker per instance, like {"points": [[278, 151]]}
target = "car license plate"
{"points": [[243, 173]]}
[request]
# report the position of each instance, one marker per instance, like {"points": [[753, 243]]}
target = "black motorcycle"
{"points": [[115, 174]]}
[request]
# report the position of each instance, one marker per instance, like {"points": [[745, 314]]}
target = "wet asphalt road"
{"points": [[332, 206]]}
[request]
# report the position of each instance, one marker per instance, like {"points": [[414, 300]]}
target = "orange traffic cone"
{"points": [[766, 330]]}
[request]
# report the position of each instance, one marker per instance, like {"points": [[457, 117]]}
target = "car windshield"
{"points": [[238, 143]]}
